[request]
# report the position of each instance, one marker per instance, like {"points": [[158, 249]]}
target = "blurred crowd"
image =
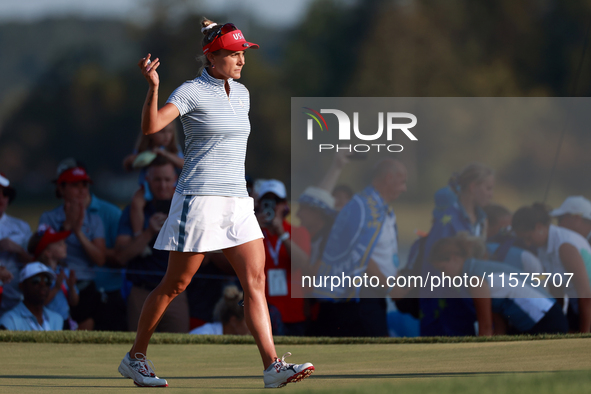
{"points": [[89, 265]]}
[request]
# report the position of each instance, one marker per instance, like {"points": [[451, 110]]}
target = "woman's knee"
{"points": [[176, 286], [256, 280]]}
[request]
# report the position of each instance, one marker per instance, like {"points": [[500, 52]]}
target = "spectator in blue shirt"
{"points": [[502, 244], [31, 314], [86, 243], [14, 234], [439, 314], [108, 279], [522, 308]]}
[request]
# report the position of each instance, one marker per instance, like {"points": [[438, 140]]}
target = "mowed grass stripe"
{"points": [[527, 366], [106, 337]]}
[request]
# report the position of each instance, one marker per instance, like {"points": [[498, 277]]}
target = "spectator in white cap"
{"points": [[284, 245], [35, 280], [575, 214], [14, 235]]}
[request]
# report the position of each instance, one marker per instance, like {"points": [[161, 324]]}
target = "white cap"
{"points": [[574, 205], [319, 198], [4, 181], [33, 269], [272, 186]]}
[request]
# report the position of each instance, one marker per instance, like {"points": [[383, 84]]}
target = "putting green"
{"points": [[546, 366]]}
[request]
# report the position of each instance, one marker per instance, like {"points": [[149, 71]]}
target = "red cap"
{"points": [[45, 236], [73, 175], [232, 41]]}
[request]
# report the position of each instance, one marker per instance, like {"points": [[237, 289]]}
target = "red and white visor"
{"points": [[232, 41]]}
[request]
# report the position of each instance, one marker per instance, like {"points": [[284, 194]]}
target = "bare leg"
{"points": [[248, 261], [181, 268]]}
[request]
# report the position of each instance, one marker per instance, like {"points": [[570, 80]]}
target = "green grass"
{"points": [[524, 366], [106, 337]]}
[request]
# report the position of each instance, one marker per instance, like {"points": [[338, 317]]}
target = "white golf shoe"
{"points": [[140, 371], [281, 373]]}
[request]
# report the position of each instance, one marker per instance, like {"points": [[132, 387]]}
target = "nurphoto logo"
{"points": [[392, 120]]}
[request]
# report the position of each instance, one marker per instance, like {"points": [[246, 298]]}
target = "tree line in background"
{"points": [[72, 87]]}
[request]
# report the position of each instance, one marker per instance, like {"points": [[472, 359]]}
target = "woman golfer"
{"points": [[211, 209]]}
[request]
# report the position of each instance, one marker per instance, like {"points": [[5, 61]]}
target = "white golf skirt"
{"points": [[207, 223]]}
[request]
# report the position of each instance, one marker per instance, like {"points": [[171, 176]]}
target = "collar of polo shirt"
{"points": [[213, 80]]}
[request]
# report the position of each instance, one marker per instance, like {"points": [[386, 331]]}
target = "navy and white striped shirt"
{"points": [[216, 130]]}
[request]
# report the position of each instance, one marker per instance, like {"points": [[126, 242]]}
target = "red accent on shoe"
{"points": [[298, 377]]}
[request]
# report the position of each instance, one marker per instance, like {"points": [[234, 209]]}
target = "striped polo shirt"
{"points": [[216, 130]]}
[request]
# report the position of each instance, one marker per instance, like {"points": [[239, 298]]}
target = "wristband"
{"points": [[284, 237]]}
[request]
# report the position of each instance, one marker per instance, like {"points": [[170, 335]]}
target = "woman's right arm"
{"points": [[573, 263], [483, 306], [154, 119]]}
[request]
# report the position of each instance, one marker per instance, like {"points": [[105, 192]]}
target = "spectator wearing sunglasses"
{"points": [[31, 314], [14, 235]]}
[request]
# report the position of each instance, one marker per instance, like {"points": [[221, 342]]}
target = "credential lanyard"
{"points": [[274, 251]]}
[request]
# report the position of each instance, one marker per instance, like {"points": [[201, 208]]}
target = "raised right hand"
{"points": [[149, 70]]}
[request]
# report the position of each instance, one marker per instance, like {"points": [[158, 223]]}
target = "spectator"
{"points": [[502, 244], [363, 239], [14, 235], [520, 309], [31, 314], [498, 220], [49, 247], [110, 314], [316, 213], [228, 316], [161, 144], [86, 243], [474, 184], [561, 251], [575, 214], [145, 265], [286, 250]]}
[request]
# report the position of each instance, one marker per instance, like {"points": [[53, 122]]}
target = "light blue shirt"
{"points": [[20, 318], [109, 279], [216, 128], [60, 304], [19, 232], [77, 259]]}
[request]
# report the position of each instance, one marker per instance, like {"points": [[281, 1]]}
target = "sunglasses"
{"points": [[215, 32], [36, 280]]}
